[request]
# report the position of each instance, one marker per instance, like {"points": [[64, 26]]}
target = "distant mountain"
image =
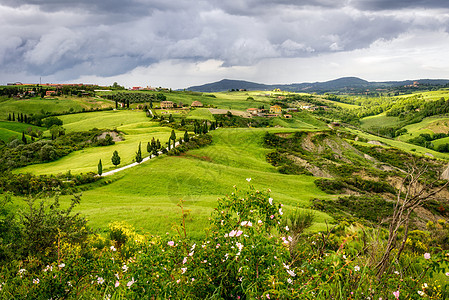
{"points": [[227, 84], [345, 84]]}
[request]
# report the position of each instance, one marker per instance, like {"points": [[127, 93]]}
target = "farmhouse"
{"points": [[49, 93], [167, 104], [196, 104], [275, 109], [253, 111]]}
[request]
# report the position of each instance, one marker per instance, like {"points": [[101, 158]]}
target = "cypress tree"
{"points": [[127, 103], [13, 117], [116, 104], [186, 136], [173, 135], [9, 117], [21, 117], [153, 145], [183, 122], [115, 158], [139, 154], [25, 119], [169, 144], [158, 144], [149, 148], [24, 139], [170, 119], [100, 168]]}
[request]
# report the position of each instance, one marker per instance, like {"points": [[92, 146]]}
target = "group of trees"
{"points": [[200, 128], [153, 148], [425, 140], [127, 98], [20, 117]]}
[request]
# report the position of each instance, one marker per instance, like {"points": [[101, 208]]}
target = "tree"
{"points": [[186, 136], [13, 117], [115, 158], [149, 148], [50, 121], [56, 131], [169, 142], [100, 168], [412, 194], [24, 139], [170, 119], [139, 154], [127, 103], [173, 135], [9, 117], [183, 122]]}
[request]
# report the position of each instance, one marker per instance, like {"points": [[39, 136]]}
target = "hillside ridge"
{"points": [[343, 83]]}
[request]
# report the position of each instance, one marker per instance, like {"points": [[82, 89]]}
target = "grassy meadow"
{"points": [[56, 105], [134, 125], [430, 125], [146, 196], [379, 120], [10, 130]]}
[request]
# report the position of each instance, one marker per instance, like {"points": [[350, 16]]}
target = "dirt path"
{"points": [[133, 164]]}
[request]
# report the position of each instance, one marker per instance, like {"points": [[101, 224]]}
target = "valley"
{"points": [[337, 161]]}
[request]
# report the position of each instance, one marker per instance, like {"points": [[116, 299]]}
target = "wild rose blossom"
{"points": [[130, 283], [171, 243], [396, 294], [427, 255]]}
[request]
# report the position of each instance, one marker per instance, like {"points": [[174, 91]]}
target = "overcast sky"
{"points": [[179, 43]]}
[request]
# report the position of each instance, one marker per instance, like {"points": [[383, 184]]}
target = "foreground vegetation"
{"points": [[251, 251]]}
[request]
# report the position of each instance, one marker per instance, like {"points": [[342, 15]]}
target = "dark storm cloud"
{"points": [[109, 37], [383, 5]]}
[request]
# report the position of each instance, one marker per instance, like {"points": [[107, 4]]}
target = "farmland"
{"points": [[304, 184]]}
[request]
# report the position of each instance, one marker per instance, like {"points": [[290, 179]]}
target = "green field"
{"points": [[380, 120], [134, 125], [431, 125], [201, 114], [146, 196], [59, 105], [9, 130]]}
